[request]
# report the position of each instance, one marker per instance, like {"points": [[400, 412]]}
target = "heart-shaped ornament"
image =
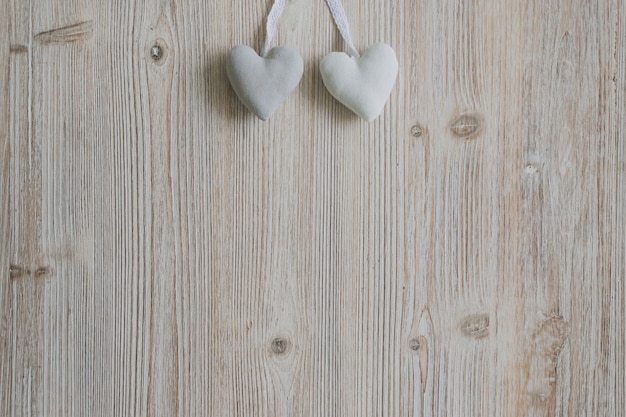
{"points": [[361, 84], [263, 83]]}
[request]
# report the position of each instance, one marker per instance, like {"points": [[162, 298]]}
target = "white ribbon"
{"points": [[339, 16], [272, 19], [342, 24]]}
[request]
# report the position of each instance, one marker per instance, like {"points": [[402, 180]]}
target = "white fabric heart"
{"points": [[263, 83], [362, 84]]}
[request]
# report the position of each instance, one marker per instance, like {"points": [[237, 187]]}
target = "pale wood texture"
{"points": [[165, 253]]}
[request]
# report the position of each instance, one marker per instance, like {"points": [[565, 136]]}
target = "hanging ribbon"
{"points": [[272, 20], [341, 20]]}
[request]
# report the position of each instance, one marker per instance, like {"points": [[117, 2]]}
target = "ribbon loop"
{"points": [[336, 9], [272, 20], [341, 20]]}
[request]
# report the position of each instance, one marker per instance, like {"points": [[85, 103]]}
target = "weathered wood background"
{"points": [[165, 253]]}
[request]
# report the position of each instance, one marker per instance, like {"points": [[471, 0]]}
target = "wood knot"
{"points": [[158, 51], [418, 344], [280, 346], [551, 336], [419, 347], [41, 272], [416, 131], [531, 169], [467, 126], [475, 325], [16, 271], [546, 344], [18, 49]]}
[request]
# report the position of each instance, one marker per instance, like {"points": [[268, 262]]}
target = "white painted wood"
{"points": [[167, 253]]}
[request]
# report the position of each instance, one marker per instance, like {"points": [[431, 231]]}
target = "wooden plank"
{"points": [[22, 294], [558, 223], [451, 190], [51, 227], [170, 254], [5, 190]]}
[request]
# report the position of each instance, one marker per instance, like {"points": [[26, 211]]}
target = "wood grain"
{"points": [[168, 254]]}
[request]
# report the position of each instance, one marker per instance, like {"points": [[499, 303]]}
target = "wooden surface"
{"points": [[165, 253]]}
